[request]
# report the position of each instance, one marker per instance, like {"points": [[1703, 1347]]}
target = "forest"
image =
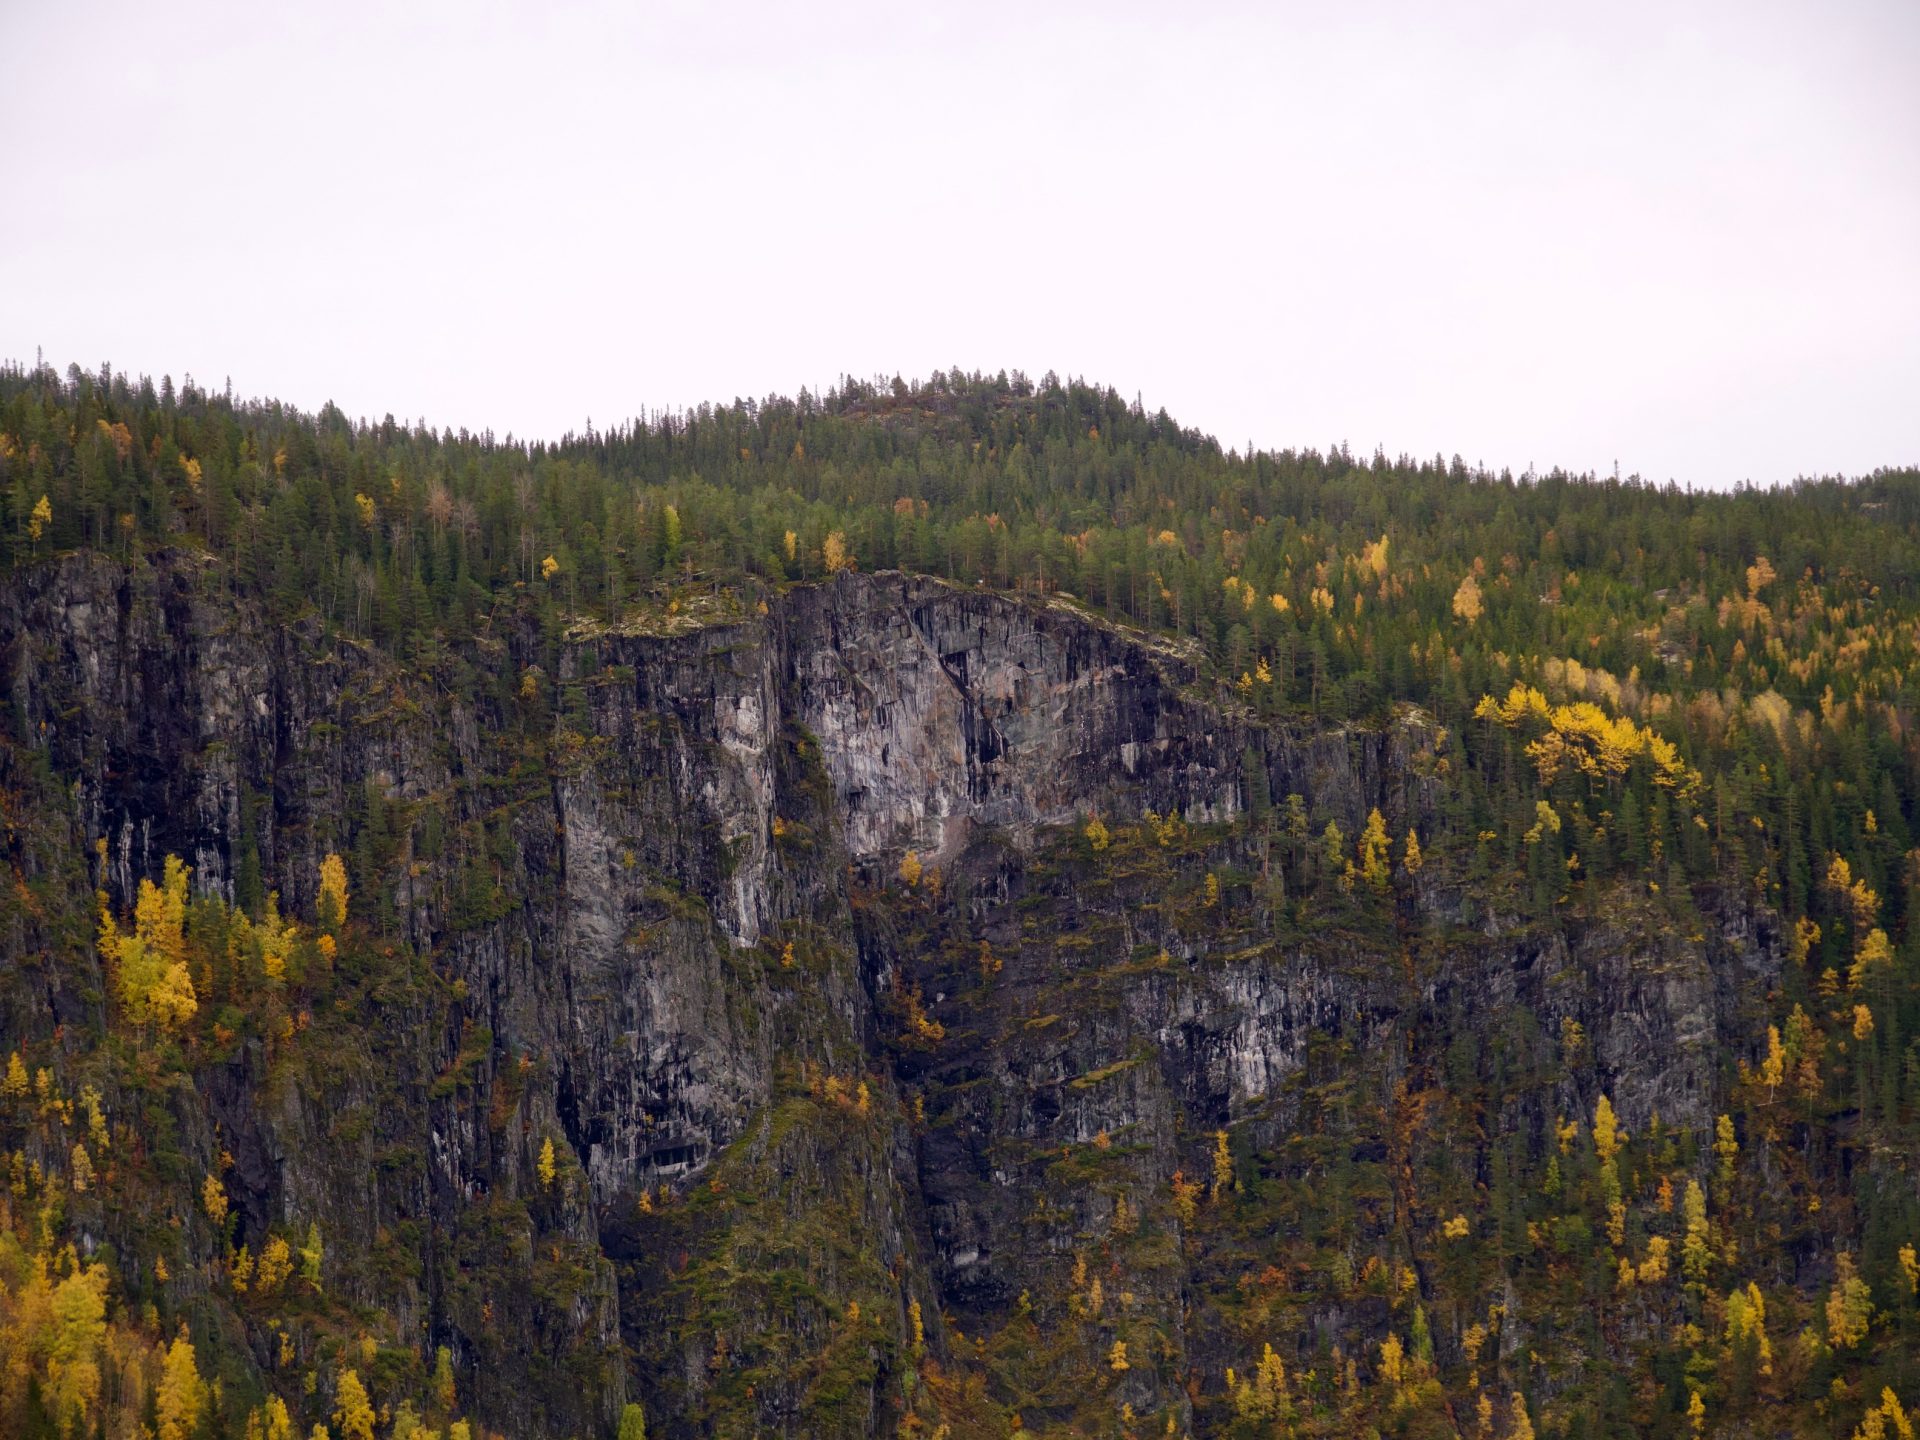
{"points": [[1694, 710]]}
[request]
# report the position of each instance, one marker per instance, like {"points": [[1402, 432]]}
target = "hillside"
{"points": [[957, 909]]}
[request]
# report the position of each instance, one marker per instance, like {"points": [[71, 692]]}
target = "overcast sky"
{"points": [[1682, 237]]}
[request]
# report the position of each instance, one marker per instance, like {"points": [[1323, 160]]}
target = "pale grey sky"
{"points": [[1682, 236]]}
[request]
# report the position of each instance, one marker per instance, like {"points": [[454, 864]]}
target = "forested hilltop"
{"points": [[558, 939]]}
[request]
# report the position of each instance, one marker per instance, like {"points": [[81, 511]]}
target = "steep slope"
{"points": [[1054, 1121]]}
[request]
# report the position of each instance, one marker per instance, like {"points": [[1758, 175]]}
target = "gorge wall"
{"points": [[645, 903]]}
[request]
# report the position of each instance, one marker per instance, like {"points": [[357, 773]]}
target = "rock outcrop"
{"points": [[640, 886]]}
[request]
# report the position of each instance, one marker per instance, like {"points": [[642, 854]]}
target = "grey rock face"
{"points": [[593, 883]]}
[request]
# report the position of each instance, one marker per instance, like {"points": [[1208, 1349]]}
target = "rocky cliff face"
{"points": [[641, 902]]}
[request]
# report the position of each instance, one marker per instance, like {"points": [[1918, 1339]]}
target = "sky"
{"points": [[1682, 239]]}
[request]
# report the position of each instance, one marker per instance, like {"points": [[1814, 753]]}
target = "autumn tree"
{"points": [[352, 1410], [150, 964], [1696, 1252], [79, 1310], [1849, 1305], [182, 1394], [1467, 603], [331, 909], [1373, 852]]}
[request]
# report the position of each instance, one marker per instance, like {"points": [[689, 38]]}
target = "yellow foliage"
{"points": [[352, 1410], [1860, 898], [1373, 851], [549, 568], [41, 517], [332, 905], [910, 869], [1263, 1397], [1875, 953], [1186, 1194], [1747, 1324], [1849, 1306], [1546, 821], [1696, 1251], [1222, 1164], [545, 1167], [150, 965], [1607, 1138], [1098, 836], [1773, 1068], [96, 1117], [1467, 602], [1519, 1427], [1806, 935], [274, 1266], [1886, 1421], [1653, 1269], [182, 1394], [1584, 738], [77, 1327], [835, 553]]}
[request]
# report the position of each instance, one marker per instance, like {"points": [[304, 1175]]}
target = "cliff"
{"points": [[637, 891]]}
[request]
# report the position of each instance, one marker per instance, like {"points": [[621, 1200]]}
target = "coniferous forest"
{"points": [[956, 909]]}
